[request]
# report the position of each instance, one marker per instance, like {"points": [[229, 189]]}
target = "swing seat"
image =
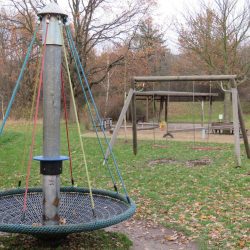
{"points": [[75, 211]]}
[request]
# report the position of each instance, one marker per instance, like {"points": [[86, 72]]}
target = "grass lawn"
{"points": [[210, 204], [93, 240]]}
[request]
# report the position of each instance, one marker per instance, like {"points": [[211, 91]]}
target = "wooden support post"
{"points": [[203, 132], [128, 113], [134, 128], [147, 106], [243, 129], [209, 117], [236, 126], [119, 122], [161, 109], [125, 117], [166, 109]]}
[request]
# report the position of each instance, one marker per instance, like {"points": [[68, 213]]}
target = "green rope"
{"points": [[78, 124], [78, 64], [94, 124], [76, 55], [20, 77]]}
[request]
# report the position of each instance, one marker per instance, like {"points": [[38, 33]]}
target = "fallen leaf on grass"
{"points": [[62, 221], [242, 243], [171, 237], [203, 217]]}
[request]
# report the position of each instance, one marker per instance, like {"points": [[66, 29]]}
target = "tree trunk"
{"points": [[227, 107]]}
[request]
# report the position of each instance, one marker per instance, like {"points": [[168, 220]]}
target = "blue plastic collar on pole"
{"points": [[55, 158], [18, 82], [75, 53]]}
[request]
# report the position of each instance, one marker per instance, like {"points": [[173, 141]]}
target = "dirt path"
{"points": [[157, 134], [148, 236]]}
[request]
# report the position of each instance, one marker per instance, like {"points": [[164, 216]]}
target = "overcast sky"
{"points": [[168, 12], [171, 10]]}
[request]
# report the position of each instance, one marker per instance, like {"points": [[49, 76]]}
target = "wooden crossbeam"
{"points": [[184, 78], [174, 93]]}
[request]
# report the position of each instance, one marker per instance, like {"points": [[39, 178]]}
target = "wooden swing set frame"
{"points": [[133, 95]]}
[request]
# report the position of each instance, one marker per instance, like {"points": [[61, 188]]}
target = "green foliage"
{"points": [[148, 36]]}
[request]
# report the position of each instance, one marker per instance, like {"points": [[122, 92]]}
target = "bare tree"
{"points": [[215, 35], [95, 23], [98, 22]]}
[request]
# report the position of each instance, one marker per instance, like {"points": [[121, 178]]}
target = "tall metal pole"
{"points": [[52, 18]]}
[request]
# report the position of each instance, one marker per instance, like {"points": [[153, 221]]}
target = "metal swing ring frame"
{"points": [[111, 208]]}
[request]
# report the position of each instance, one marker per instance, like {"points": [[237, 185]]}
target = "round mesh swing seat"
{"points": [[75, 211]]}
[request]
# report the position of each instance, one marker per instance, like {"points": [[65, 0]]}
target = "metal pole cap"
{"points": [[52, 8]]}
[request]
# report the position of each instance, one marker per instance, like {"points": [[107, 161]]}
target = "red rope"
{"points": [[35, 123], [67, 128]]}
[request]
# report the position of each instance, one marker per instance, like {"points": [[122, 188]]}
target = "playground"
{"points": [[203, 204], [149, 182]]}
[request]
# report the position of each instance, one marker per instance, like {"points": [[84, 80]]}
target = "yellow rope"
{"points": [[25, 149], [77, 122]]}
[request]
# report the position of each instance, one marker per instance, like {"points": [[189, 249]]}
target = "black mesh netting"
{"points": [[75, 208]]}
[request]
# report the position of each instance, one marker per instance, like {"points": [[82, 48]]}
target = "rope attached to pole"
{"points": [[67, 129], [25, 149], [18, 82], [76, 55], [96, 131], [91, 114], [35, 123], [78, 126]]}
